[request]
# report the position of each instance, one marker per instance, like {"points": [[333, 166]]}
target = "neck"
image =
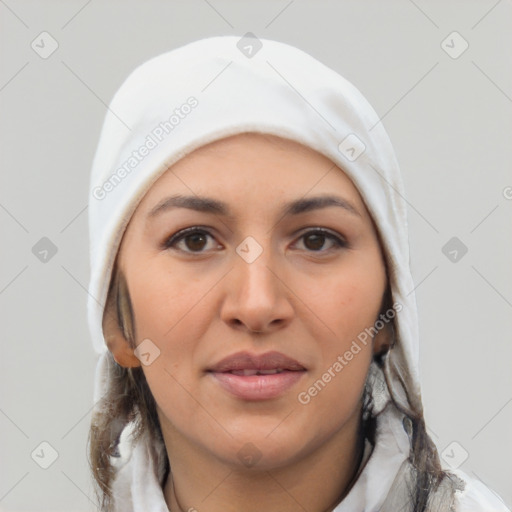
{"points": [[316, 483]]}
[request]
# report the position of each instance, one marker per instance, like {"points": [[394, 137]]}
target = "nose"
{"points": [[257, 298]]}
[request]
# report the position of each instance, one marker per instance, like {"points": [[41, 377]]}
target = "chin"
{"points": [[265, 446], [261, 454]]}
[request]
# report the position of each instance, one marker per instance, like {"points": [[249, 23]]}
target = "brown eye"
{"points": [[195, 242], [190, 240], [315, 240]]}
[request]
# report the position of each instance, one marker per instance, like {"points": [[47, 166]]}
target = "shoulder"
{"points": [[476, 496]]}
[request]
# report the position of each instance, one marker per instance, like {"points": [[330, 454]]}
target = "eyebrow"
{"points": [[214, 206]]}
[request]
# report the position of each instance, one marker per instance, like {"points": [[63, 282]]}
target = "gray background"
{"points": [[448, 118]]}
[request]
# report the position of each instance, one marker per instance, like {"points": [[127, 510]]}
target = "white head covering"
{"points": [[221, 86]]}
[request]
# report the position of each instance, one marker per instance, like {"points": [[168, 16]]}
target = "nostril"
{"points": [[238, 324]]}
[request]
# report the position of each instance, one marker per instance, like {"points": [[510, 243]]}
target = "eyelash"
{"points": [[170, 242]]}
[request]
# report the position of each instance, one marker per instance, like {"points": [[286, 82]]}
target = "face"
{"points": [[251, 309]]}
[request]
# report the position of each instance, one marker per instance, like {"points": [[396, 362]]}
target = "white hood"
{"points": [[214, 88]]}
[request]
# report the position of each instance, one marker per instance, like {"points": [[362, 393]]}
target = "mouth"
{"points": [[247, 372], [257, 377]]}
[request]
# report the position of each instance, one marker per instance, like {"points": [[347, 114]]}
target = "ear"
{"points": [[384, 339], [118, 345]]}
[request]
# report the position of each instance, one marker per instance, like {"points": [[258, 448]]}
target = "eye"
{"points": [[190, 240], [195, 240], [314, 240]]}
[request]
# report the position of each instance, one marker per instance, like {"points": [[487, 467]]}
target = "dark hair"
{"points": [[129, 399]]}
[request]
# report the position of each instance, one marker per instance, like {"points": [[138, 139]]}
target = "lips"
{"points": [[270, 361], [257, 377], [248, 372]]}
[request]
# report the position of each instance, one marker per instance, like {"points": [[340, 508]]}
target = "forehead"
{"points": [[253, 172], [253, 138], [247, 141], [259, 162]]}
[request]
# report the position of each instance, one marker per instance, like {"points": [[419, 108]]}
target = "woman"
{"points": [[250, 295]]}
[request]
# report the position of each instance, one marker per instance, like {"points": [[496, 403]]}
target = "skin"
{"points": [[200, 301]]}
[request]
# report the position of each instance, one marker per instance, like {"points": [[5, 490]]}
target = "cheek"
{"points": [[350, 300], [171, 309], [331, 395], [166, 301], [346, 306]]}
